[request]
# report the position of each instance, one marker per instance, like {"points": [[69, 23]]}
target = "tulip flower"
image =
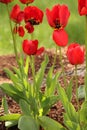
{"points": [[6, 1], [16, 14], [58, 19], [75, 54], [82, 7], [58, 16], [26, 1], [33, 15], [29, 27], [30, 47], [19, 30], [60, 37]]}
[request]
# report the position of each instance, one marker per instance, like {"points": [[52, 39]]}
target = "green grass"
{"points": [[43, 32]]}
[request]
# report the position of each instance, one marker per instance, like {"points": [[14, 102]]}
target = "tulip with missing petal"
{"points": [[30, 47], [75, 54]]}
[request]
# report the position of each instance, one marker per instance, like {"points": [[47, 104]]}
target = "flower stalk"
{"points": [[61, 63], [14, 42], [77, 98], [86, 55]]}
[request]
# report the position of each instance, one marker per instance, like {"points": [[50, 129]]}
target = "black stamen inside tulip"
{"points": [[57, 24], [33, 22]]}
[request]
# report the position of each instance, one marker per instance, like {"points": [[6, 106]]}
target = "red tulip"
{"points": [[6, 1], [60, 37], [82, 7], [30, 47], [16, 14], [21, 31], [58, 16], [75, 54], [33, 15], [26, 1], [29, 27]]}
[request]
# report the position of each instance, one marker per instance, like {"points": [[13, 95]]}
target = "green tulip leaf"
{"points": [[50, 124], [24, 107], [9, 117], [27, 123]]}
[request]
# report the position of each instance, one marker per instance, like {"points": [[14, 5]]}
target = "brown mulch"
{"points": [[57, 110]]}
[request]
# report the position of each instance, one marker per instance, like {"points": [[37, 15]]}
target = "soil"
{"points": [[56, 112]]}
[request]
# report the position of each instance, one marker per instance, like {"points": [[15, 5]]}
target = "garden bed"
{"points": [[57, 110]]}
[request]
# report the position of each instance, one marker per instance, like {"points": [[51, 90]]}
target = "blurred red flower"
{"points": [[82, 7], [33, 15], [29, 27], [19, 30], [6, 1], [30, 47], [16, 14], [26, 1], [58, 16], [75, 54], [60, 37]]}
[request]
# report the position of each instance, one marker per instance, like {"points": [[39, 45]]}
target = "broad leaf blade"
{"points": [[9, 124], [27, 123], [69, 90], [50, 124], [24, 107], [83, 112], [9, 117], [81, 92], [47, 103], [12, 91], [40, 73]]}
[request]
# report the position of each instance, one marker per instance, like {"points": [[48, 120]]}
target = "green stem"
{"points": [[64, 77], [54, 62], [86, 41], [15, 51], [14, 43], [86, 57], [77, 98], [33, 73], [76, 81]]}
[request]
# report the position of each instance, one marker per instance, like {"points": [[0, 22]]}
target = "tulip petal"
{"points": [[60, 37], [64, 18], [40, 50]]}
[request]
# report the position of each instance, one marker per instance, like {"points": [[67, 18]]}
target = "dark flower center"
{"points": [[57, 24], [33, 22]]}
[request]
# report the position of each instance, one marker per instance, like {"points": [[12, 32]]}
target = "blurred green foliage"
{"points": [[75, 27]]}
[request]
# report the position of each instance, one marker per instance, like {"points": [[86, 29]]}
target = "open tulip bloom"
{"points": [[35, 103], [58, 19]]}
